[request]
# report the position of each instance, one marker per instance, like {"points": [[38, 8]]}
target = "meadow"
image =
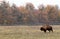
{"points": [[28, 32]]}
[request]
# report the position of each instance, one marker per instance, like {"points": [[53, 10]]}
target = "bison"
{"points": [[46, 27]]}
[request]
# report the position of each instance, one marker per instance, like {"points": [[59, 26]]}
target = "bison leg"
{"points": [[45, 31], [49, 30], [52, 30]]}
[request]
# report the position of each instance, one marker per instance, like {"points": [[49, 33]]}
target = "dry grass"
{"points": [[28, 32]]}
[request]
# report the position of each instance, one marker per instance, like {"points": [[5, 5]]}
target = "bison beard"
{"points": [[45, 28]]}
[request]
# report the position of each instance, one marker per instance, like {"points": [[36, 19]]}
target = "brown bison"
{"points": [[46, 27]]}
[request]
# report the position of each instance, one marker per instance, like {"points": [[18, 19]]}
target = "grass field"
{"points": [[28, 32]]}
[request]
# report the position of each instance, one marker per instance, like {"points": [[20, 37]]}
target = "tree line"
{"points": [[28, 14]]}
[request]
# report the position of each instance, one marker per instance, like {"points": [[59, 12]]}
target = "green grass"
{"points": [[28, 32]]}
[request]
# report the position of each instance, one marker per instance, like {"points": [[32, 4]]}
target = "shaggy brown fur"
{"points": [[46, 27]]}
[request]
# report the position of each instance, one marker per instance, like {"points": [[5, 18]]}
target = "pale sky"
{"points": [[36, 3]]}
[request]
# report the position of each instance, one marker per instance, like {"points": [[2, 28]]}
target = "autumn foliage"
{"points": [[12, 15]]}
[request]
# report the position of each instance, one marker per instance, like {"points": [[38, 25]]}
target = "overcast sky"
{"points": [[35, 2]]}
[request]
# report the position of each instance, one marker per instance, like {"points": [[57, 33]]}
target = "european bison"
{"points": [[46, 27]]}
